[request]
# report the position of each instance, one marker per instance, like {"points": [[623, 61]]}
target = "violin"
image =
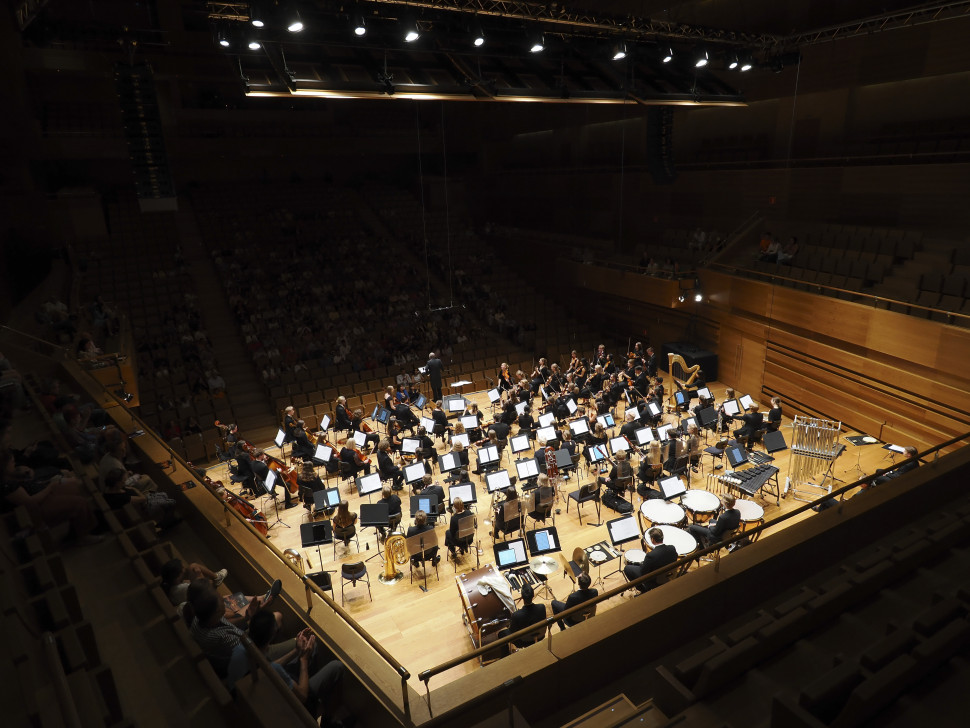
{"points": [[248, 511]]}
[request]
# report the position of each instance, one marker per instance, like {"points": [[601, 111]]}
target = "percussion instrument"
{"points": [[750, 480], [635, 556], [679, 539], [544, 565], [659, 512], [700, 504], [752, 515]]}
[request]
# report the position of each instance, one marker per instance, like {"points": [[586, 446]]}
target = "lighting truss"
{"points": [[933, 12]]}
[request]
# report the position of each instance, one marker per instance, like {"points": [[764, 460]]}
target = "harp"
{"points": [[688, 374]]}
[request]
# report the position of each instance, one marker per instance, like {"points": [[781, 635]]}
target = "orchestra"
{"points": [[630, 390]]}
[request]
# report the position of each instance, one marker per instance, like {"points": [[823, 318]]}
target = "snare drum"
{"points": [[702, 505], [635, 556], [752, 515], [662, 513]]}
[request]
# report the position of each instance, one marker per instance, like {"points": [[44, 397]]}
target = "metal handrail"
{"points": [[714, 550]]}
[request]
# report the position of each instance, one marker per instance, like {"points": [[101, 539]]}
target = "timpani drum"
{"points": [[752, 514], [702, 505], [679, 539], [661, 513]]}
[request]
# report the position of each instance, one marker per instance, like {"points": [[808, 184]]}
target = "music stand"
{"points": [[736, 455], [376, 515], [672, 487], [622, 530], [280, 441], [775, 441], [428, 424], [606, 420], [414, 473], [368, 484], [316, 534], [520, 408], [450, 462], [527, 470], [327, 498], [497, 480], [510, 554], [416, 546], [270, 486], [465, 491], [420, 402], [519, 443], [487, 455]]}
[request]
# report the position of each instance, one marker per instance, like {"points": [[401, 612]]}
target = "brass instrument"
{"points": [[395, 554], [294, 557]]}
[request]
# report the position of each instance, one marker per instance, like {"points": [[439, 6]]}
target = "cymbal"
{"points": [[544, 565]]}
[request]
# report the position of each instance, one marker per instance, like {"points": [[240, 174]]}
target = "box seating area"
{"points": [[89, 629]]}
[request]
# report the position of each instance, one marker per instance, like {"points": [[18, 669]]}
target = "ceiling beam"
{"points": [[26, 10]]}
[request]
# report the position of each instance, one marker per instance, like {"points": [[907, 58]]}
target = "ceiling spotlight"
{"points": [[669, 55], [734, 63], [538, 45], [479, 40], [223, 39], [619, 52], [253, 45], [359, 28], [256, 15], [746, 66], [701, 60], [681, 298], [698, 296], [411, 32], [296, 24]]}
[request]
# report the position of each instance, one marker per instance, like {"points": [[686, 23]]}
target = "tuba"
{"points": [[395, 553]]}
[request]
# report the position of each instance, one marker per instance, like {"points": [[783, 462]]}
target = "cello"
{"points": [[248, 511]]}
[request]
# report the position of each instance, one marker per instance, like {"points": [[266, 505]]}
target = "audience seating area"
{"points": [[839, 649], [911, 272]]}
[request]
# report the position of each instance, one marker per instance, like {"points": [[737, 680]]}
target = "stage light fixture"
{"points": [[223, 39], [256, 15], [254, 45], [746, 66], [734, 62], [681, 298], [478, 36], [669, 55], [359, 28], [538, 44], [619, 51], [411, 32], [702, 60], [698, 296], [294, 23]]}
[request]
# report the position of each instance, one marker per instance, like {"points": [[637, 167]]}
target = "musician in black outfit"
{"points": [[302, 447], [774, 414], [630, 426], [357, 425], [753, 421], [405, 417], [342, 418], [451, 536], [289, 424], [351, 457], [434, 367], [583, 594], [660, 555], [526, 422], [505, 382], [261, 472], [651, 362], [501, 430], [540, 375], [309, 483], [421, 525], [386, 466], [426, 448], [393, 509], [515, 521], [621, 469], [244, 473], [729, 520], [523, 618]]}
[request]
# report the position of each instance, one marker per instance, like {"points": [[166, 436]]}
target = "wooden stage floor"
{"points": [[423, 629]]}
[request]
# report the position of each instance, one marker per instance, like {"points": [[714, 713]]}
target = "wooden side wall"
{"points": [[903, 379]]}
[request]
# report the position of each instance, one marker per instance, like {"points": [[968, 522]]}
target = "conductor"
{"points": [[434, 376]]}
